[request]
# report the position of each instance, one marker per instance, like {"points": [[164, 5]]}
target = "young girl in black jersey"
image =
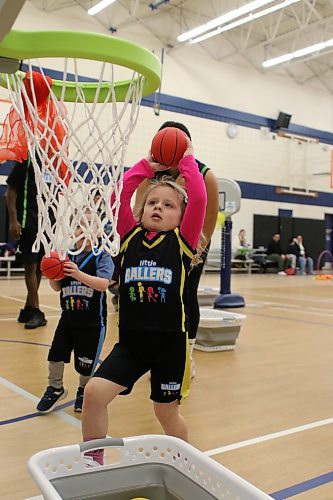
{"points": [[156, 261]]}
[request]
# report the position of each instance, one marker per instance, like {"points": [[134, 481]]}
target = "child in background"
{"points": [[82, 325], [156, 260]]}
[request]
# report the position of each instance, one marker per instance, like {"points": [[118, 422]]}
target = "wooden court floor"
{"points": [[264, 410]]}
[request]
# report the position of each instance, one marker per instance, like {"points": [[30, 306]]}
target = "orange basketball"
{"points": [[52, 267], [169, 146]]}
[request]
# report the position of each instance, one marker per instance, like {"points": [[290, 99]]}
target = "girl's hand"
{"points": [[202, 244], [189, 150], [154, 165], [71, 269]]}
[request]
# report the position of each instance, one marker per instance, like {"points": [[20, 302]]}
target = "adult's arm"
{"points": [[15, 228], [132, 179], [139, 197], [212, 207], [193, 220]]}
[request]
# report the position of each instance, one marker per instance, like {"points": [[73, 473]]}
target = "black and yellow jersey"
{"points": [[153, 280]]}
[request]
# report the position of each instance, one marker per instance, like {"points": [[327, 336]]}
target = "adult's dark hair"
{"points": [[176, 125]]}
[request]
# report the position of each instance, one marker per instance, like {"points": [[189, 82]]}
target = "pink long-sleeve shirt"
{"points": [[193, 219]]}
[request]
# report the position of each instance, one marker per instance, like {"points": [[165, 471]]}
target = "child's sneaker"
{"points": [[79, 400], [89, 462], [51, 398]]}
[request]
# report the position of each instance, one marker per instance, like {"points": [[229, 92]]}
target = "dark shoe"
{"points": [[37, 319], [25, 314], [79, 400], [50, 399]]}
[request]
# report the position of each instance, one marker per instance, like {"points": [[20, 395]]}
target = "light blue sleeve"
{"points": [[105, 266]]}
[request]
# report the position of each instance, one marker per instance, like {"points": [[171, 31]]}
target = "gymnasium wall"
{"points": [[241, 95]]}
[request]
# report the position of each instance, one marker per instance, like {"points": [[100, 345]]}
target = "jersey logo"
{"points": [[147, 273]]}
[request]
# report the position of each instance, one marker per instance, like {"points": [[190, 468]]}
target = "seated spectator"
{"points": [[291, 255], [241, 247], [304, 260], [276, 254]]}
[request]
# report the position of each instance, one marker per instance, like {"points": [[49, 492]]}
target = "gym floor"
{"points": [[263, 410]]}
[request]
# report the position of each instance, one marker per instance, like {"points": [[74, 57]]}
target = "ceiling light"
{"points": [[317, 47], [244, 20], [100, 6], [218, 21]]}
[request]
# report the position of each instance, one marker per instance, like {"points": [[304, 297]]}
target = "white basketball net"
{"points": [[93, 151]]}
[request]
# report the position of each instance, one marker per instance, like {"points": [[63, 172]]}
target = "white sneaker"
{"points": [[282, 273]]}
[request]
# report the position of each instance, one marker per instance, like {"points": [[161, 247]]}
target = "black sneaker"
{"points": [[37, 319], [50, 399], [25, 314], [79, 400]]}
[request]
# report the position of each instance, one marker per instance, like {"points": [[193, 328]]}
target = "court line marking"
{"points": [[309, 310], [30, 397], [215, 451], [23, 301], [314, 298], [298, 307], [302, 487], [286, 297], [294, 307], [58, 309], [268, 437], [31, 342], [28, 416], [15, 318], [47, 317], [310, 484], [295, 320]]}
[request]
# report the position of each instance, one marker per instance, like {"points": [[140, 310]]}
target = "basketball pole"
{"points": [[229, 200], [226, 299]]}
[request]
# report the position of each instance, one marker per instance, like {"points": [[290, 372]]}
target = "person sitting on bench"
{"points": [[276, 254]]}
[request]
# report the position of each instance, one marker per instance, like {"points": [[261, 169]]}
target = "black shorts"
{"points": [[164, 354], [24, 248], [86, 342]]}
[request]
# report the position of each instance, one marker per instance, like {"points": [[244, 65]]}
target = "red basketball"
{"points": [[169, 146], [52, 267]]}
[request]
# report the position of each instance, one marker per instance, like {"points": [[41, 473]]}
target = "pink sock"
{"points": [[97, 455]]}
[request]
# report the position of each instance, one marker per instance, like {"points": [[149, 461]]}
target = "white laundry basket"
{"points": [[207, 296], [153, 467], [218, 330]]}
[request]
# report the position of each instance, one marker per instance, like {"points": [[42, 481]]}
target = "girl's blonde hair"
{"points": [[163, 181], [168, 181]]}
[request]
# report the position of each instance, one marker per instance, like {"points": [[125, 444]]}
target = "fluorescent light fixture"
{"points": [[244, 20], [317, 47], [218, 21], [100, 6]]}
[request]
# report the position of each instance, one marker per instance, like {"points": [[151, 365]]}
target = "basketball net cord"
{"points": [[79, 180]]}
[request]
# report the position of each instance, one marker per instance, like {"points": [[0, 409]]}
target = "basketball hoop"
{"points": [[79, 169]]}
